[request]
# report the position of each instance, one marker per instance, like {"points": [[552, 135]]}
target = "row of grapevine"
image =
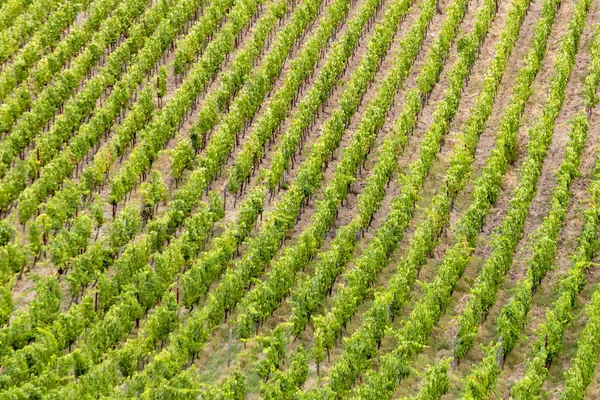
{"points": [[43, 162], [72, 320], [549, 337], [131, 354], [300, 68], [50, 99], [266, 74], [233, 387], [24, 332], [264, 298], [483, 294], [46, 100], [310, 105], [593, 78], [273, 357], [285, 382], [512, 316], [96, 173], [134, 304], [159, 231], [262, 247], [583, 365], [189, 387], [48, 145], [12, 260], [196, 281], [192, 291], [283, 211], [134, 345], [44, 308], [310, 293], [287, 265], [43, 41], [242, 111], [182, 207], [351, 294], [72, 197], [413, 334], [68, 327]]}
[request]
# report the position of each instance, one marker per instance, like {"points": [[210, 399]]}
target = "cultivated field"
{"points": [[299, 199]]}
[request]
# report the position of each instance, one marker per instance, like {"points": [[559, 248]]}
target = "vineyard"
{"points": [[299, 199]]}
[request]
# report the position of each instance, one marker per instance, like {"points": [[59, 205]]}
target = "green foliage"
{"points": [[69, 243], [7, 232], [182, 158], [6, 303], [12, 259], [97, 211], [215, 104], [273, 352], [436, 382], [284, 385], [124, 227], [161, 82], [35, 58], [46, 305], [152, 193]]}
